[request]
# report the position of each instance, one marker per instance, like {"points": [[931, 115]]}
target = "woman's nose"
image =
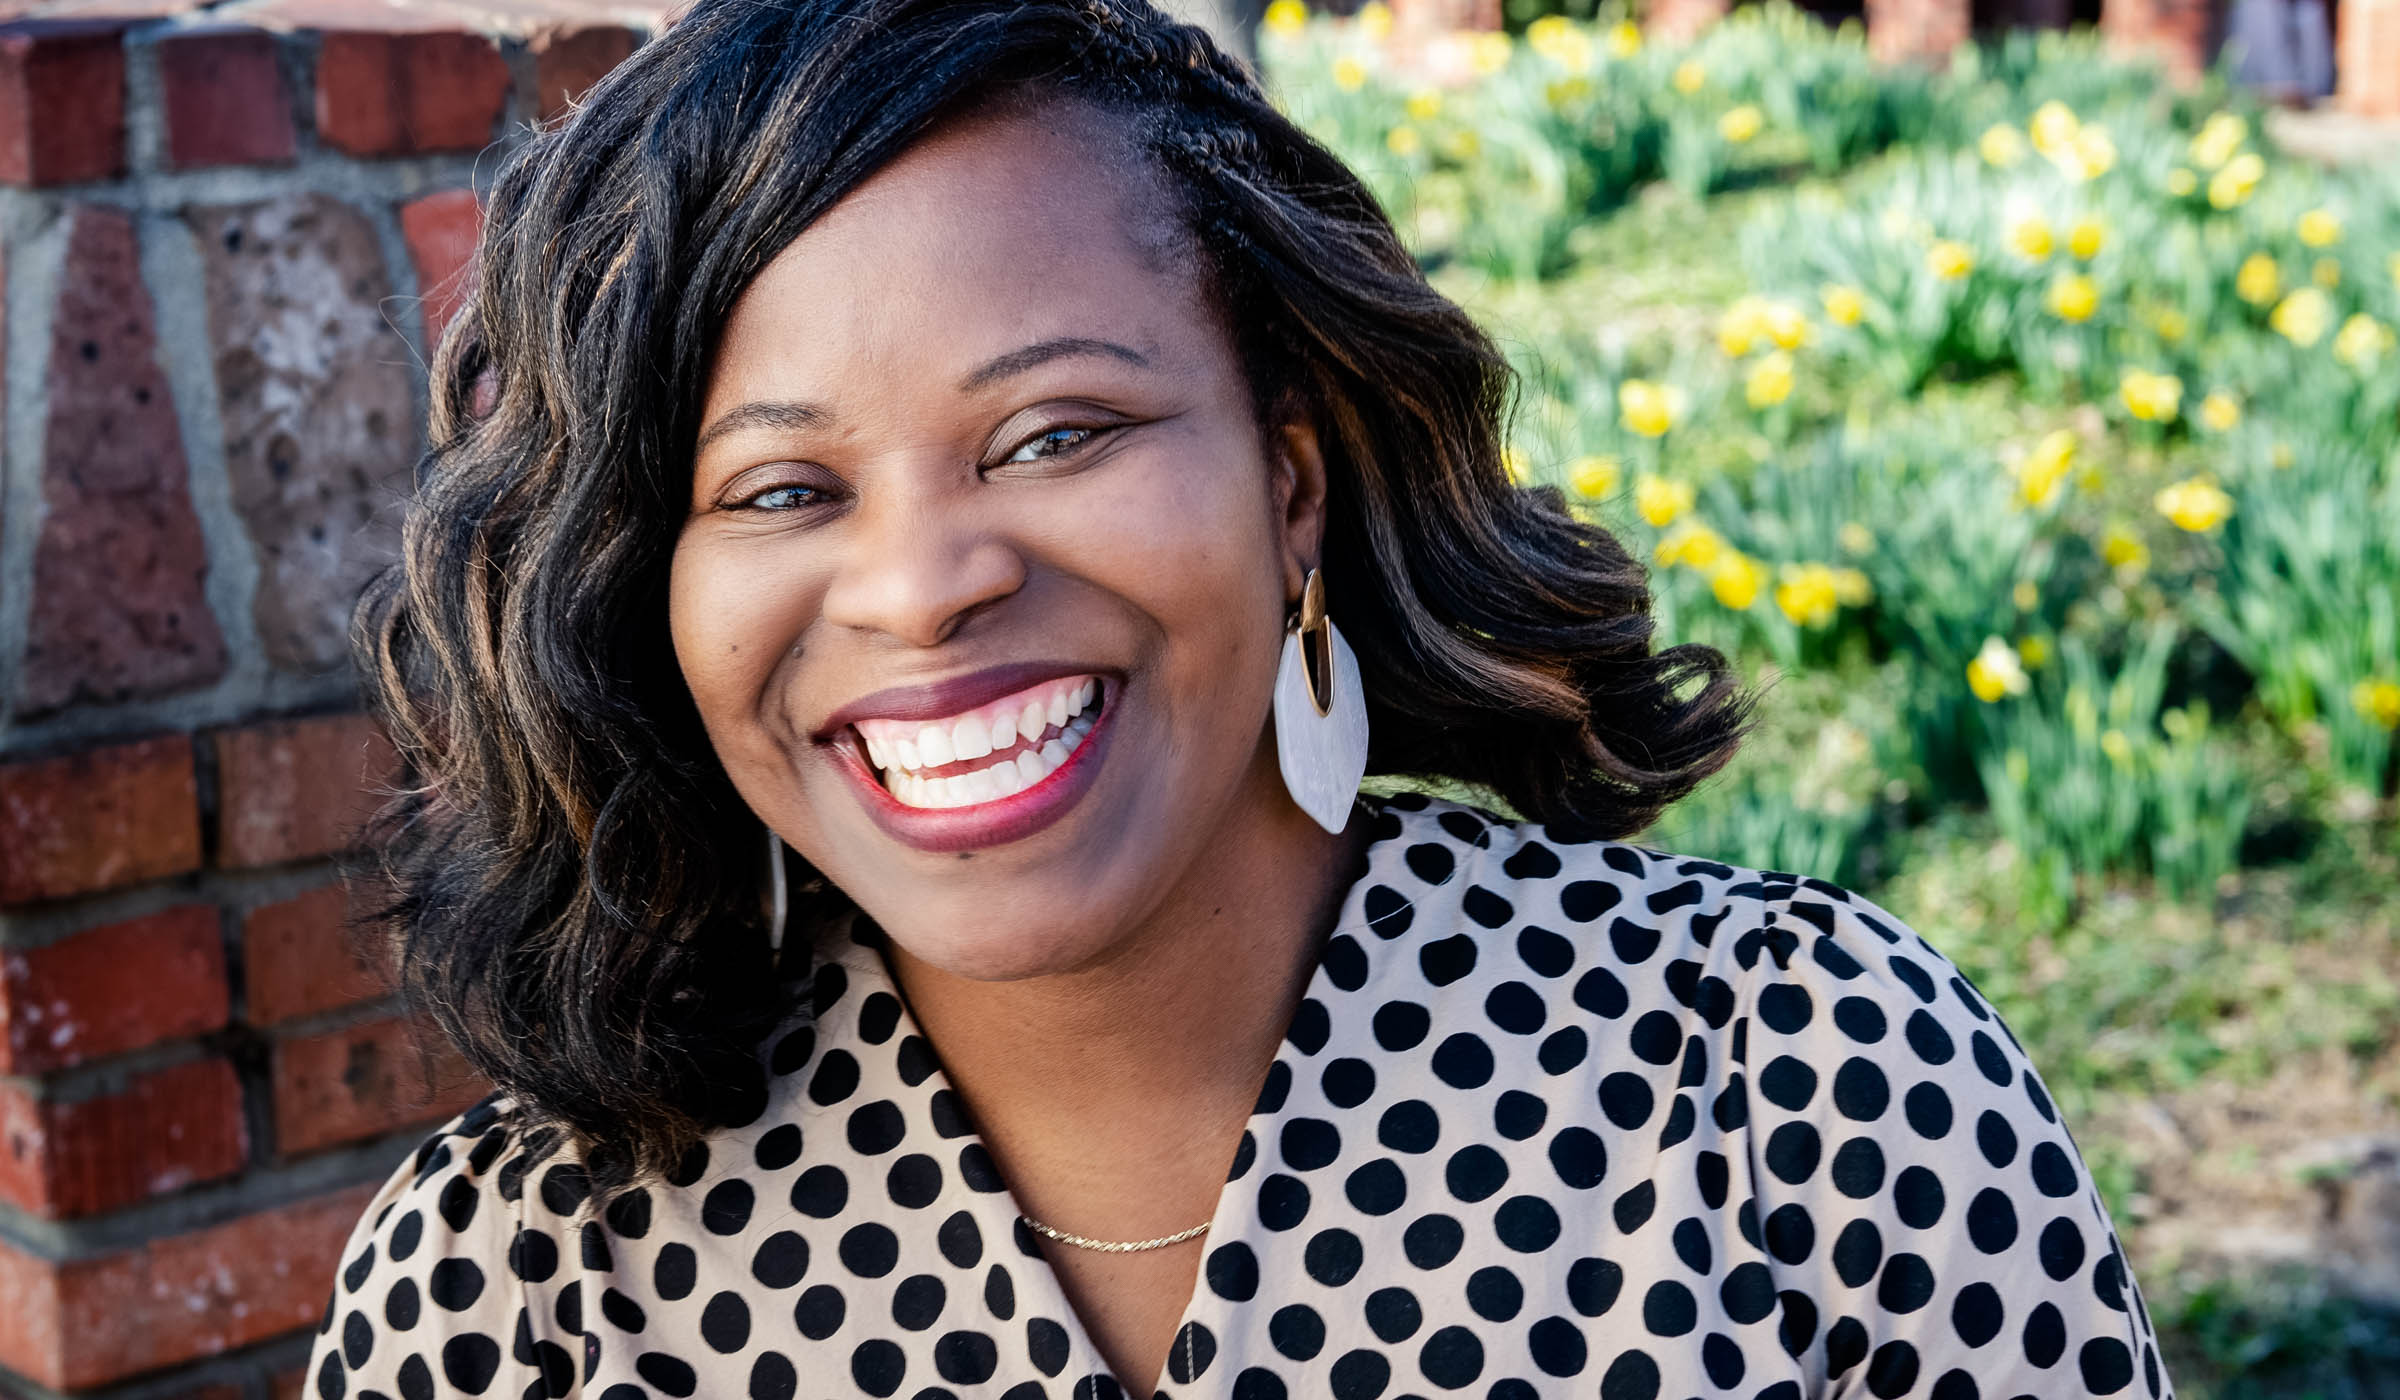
{"points": [[915, 567]]}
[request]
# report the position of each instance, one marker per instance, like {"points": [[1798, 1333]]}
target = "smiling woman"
{"points": [[935, 505]]}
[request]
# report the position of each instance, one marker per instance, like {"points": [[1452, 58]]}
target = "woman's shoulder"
{"points": [[1720, 937]]}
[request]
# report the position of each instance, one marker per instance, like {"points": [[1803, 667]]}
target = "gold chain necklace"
{"points": [[1111, 1246]]}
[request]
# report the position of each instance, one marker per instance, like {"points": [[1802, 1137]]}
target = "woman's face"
{"points": [[982, 591]]}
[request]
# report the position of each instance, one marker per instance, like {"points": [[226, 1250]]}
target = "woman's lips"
{"points": [[1059, 772]]}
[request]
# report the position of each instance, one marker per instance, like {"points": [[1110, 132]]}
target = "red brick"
{"points": [[162, 1133], [365, 1080], [120, 608], [2176, 33], [567, 60], [1434, 15], [98, 819], [313, 398], [298, 958], [2369, 58], [288, 1385], [225, 100], [62, 102], [1921, 31], [383, 94], [296, 789], [1681, 20], [441, 230], [110, 989], [83, 1323]]}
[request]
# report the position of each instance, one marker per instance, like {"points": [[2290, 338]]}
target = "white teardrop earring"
{"points": [[1320, 713], [779, 900]]}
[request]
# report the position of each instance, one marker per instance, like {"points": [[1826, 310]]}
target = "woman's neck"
{"points": [[1141, 1066]]}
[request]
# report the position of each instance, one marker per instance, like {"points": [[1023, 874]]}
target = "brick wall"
{"points": [[227, 234]]}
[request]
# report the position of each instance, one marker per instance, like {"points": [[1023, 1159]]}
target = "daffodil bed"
{"points": [[2031, 432]]}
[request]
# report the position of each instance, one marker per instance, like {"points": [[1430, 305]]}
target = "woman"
{"points": [[979, 445]]}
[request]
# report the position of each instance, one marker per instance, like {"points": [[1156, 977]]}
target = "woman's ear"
{"points": [[1300, 492]]}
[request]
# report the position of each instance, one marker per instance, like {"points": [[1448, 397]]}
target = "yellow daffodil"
{"points": [[1950, 259], [2025, 595], [1560, 92], [1851, 588], [2086, 238], [2032, 238], [2034, 651], [2217, 140], [2234, 184], [1690, 76], [1855, 538], [2045, 468], [2362, 342], [2318, 228], [1624, 39], [1425, 104], [1349, 74], [2302, 317], [2123, 549], [2220, 413], [2073, 297], [2259, 281], [2153, 398], [1996, 672], [1845, 305], [1513, 462], [2090, 155], [2181, 182], [1808, 595], [1786, 325], [1741, 123], [1403, 140], [2170, 324], [2379, 701], [1660, 500], [1770, 380], [1561, 41], [1463, 143], [1648, 408], [1736, 580], [1285, 17], [1374, 20], [2194, 504], [2002, 145], [2326, 273], [1490, 51], [2118, 748], [1594, 478], [1691, 544], [2053, 127]]}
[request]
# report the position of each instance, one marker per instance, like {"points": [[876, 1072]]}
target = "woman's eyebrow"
{"points": [[792, 415]]}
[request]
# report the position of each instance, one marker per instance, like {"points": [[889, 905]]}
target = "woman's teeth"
{"points": [[1031, 732]]}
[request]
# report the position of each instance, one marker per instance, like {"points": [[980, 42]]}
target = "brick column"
{"points": [[1429, 16], [2180, 34], [1683, 19], [1918, 31], [199, 1080], [2367, 57]]}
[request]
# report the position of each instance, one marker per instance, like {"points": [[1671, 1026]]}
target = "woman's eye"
{"points": [[1053, 436], [783, 498]]}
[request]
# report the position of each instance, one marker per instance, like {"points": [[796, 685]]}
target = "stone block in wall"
{"points": [[81, 1323], [62, 102], [315, 395], [95, 820], [441, 230], [388, 94], [297, 789], [224, 100], [568, 59], [2369, 58], [161, 1132], [364, 1081], [119, 572], [298, 958], [110, 989]]}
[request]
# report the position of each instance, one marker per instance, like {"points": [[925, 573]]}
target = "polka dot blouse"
{"points": [[1554, 1117]]}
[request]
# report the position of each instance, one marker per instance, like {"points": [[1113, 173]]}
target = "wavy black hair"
{"points": [[575, 881]]}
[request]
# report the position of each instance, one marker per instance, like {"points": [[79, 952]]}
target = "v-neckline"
{"points": [[1040, 1292]]}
